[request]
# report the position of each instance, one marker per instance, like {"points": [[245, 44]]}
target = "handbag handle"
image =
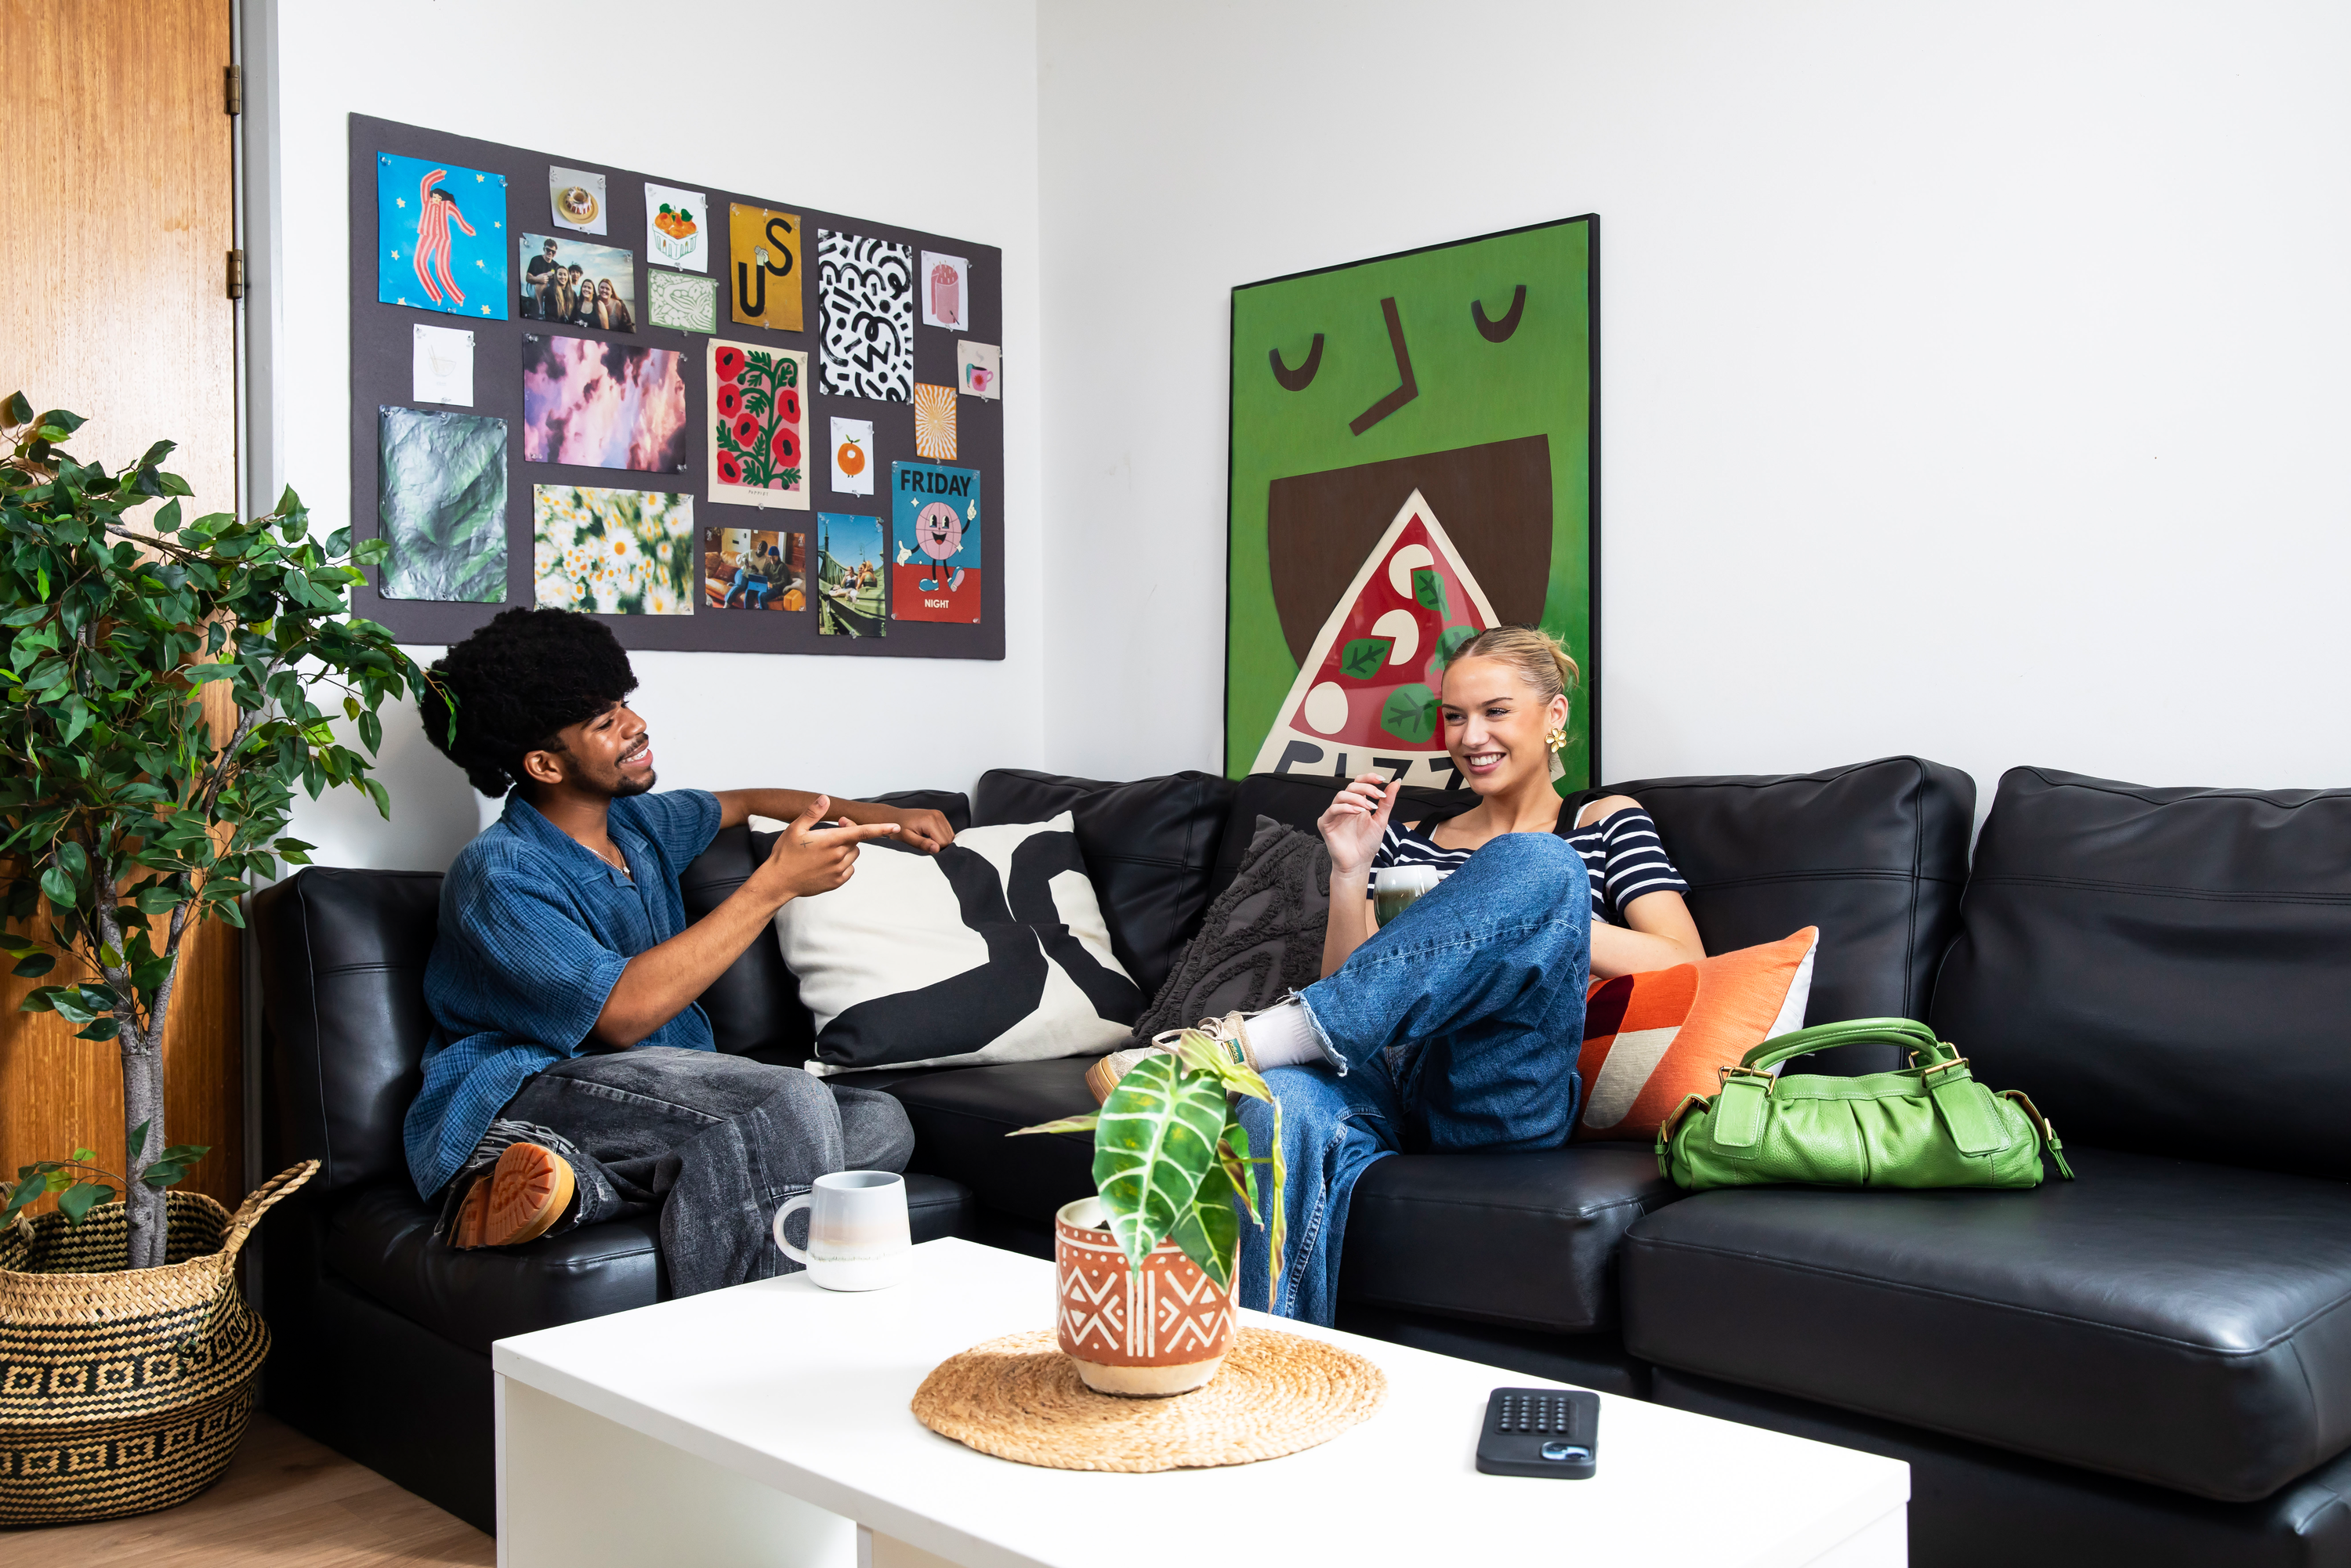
{"points": [[1909, 1033]]}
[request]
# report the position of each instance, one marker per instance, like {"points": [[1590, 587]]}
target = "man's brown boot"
{"points": [[528, 1191]]}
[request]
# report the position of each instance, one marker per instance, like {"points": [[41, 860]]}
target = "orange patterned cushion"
{"points": [[1650, 1038]]}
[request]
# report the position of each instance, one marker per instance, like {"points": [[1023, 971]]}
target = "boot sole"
{"points": [[528, 1191]]}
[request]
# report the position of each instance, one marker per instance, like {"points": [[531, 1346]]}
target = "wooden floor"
{"points": [[287, 1502]]}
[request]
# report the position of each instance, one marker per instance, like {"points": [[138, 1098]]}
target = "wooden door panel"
{"points": [[114, 304]]}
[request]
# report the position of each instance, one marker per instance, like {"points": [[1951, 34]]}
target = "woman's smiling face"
{"points": [[1495, 722]]}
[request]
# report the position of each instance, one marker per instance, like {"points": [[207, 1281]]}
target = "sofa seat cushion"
{"points": [[1524, 1240], [381, 1242], [2167, 1321], [962, 1114]]}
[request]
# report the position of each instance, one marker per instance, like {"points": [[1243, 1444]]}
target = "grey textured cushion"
{"points": [[1261, 938]]}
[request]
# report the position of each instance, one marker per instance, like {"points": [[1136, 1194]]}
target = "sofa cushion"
{"points": [[2162, 1320], [1259, 940], [1875, 854], [380, 1241], [991, 950], [2163, 968], [1524, 1240], [1149, 846], [755, 1007]]}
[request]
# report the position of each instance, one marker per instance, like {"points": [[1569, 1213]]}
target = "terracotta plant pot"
{"points": [[1165, 1331]]}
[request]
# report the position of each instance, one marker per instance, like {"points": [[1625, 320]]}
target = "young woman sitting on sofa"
{"points": [[1457, 1026]]}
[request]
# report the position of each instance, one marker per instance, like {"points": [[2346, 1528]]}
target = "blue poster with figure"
{"points": [[441, 238], [935, 543]]}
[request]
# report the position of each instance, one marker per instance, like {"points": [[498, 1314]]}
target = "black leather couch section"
{"points": [[1524, 1240], [1875, 854], [2160, 1320], [2163, 969], [342, 968], [1970, 1505], [1149, 847], [381, 1241], [962, 1116]]}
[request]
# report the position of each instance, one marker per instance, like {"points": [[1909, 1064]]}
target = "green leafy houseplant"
{"points": [[122, 823], [1172, 1161]]}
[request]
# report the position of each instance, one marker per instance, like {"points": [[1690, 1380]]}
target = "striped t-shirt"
{"points": [[1623, 856]]}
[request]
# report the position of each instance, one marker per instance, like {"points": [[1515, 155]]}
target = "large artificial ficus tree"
{"points": [[126, 817]]}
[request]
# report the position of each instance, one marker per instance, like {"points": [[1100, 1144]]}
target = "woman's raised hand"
{"points": [[1357, 819]]}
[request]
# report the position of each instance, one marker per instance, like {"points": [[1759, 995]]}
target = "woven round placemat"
{"points": [[1019, 1398]]}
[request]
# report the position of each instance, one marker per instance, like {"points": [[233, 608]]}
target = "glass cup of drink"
{"points": [[1394, 887]]}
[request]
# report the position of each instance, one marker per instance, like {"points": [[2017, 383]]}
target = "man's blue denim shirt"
{"points": [[535, 931]]}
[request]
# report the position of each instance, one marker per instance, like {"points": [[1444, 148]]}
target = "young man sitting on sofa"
{"points": [[572, 1077]]}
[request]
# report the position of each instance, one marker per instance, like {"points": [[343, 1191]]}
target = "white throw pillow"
{"points": [[992, 950]]}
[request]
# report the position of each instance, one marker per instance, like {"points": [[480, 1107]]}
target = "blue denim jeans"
{"points": [[1459, 1025]]}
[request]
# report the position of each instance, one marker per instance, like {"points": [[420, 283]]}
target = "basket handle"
{"points": [[263, 1197]]}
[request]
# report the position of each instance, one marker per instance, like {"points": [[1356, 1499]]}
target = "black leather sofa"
{"points": [[2147, 1365]]}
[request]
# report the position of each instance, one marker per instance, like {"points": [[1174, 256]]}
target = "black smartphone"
{"points": [[1541, 1432]]}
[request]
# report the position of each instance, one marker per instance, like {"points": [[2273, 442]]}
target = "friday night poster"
{"points": [[934, 567], [480, 206]]}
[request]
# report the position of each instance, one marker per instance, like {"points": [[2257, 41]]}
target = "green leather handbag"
{"points": [[1927, 1124]]}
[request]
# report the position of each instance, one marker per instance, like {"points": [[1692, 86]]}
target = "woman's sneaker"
{"points": [[1227, 1031], [519, 1199]]}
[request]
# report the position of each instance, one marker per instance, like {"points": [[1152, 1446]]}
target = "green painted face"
{"points": [[1464, 372]]}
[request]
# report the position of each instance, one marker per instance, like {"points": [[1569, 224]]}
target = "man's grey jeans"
{"points": [[715, 1142]]}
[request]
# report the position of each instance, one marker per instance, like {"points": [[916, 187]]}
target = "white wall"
{"points": [[930, 123], [1973, 373]]}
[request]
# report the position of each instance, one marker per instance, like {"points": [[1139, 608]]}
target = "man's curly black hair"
{"points": [[519, 680]]}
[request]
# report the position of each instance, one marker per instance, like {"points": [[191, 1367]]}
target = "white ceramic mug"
{"points": [[858, 1236]]}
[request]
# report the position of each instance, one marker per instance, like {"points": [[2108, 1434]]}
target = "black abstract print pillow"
{"points": [[865, 299]]}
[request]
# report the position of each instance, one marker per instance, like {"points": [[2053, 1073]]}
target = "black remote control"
{"points": [[1541, 1432]]}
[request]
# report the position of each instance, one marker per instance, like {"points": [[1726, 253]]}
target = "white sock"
{"points": [[1284, 1036]]}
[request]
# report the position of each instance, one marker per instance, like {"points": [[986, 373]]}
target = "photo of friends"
{"points": [[751, 569], [577, 284]]}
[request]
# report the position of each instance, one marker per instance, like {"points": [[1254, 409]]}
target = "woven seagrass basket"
{"points": [[123, 1391]]}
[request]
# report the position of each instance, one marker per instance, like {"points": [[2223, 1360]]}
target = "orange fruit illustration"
{"points": [[851, 458]]}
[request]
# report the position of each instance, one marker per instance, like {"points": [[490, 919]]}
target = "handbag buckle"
{"points": [[1737, 1070], [1929, 1070]]}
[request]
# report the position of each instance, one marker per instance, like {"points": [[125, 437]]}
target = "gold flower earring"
{"points": [[1555, 739]]}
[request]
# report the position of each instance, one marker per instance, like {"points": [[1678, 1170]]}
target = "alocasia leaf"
{"points": [[1209, 1232], [1155, 1142]]}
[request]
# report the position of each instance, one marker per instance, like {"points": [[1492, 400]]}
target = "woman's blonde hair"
{"points": [[1541, 659]]}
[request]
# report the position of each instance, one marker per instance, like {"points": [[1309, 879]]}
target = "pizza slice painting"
{"points": [[1366, 694]]}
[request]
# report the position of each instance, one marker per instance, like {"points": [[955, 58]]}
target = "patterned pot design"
{"points": [[1163, 1330]]}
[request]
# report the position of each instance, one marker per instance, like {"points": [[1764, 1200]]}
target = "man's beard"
{"points": [[623, 787]]}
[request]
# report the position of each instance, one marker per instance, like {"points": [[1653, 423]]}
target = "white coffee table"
{"points": [[769, 1425]]}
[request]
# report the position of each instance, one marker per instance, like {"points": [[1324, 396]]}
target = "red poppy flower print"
{"points": [[786, 445], [746, 431], [788, 405], [730, 469], [729, 363], [730, 400]]}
